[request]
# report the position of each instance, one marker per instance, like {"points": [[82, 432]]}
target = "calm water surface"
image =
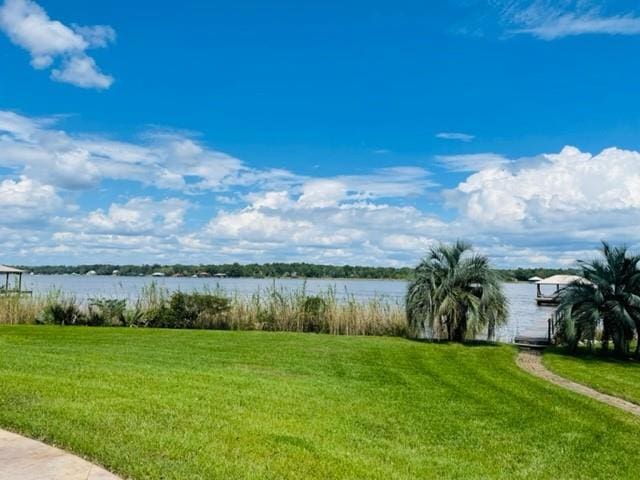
{"points": [[525, 317]]}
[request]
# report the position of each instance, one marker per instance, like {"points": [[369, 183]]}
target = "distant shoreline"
{"points": [[299, 271]]}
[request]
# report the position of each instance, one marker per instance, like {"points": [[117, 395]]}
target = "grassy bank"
{"points": [[151, 403], [615, 377]]}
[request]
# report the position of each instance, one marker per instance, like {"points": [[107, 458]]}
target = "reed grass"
{"points": [[16, 310], [24, 310], [297, 311], [271, 309]]}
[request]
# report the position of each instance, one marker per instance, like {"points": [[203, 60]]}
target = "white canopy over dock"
{"points": [[559, 281]]}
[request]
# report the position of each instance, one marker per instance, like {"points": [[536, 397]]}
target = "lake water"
{"points": [[525, 317]]}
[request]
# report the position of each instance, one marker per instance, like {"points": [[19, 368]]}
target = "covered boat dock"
{"points": [[7, 288], [557, 283]]}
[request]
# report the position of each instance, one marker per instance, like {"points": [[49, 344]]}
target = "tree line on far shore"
{"points": [[273, 270]]}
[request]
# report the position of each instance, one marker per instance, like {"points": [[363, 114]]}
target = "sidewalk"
{"points": [[25, 459]]}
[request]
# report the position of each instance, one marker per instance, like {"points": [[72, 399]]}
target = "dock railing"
{"points": [[553, 321]]}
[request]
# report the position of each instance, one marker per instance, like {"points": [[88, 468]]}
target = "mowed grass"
{"points": [[165, 404], [608, 375]]}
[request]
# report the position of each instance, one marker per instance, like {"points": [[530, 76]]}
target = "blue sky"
{"points": [[331, 132]]}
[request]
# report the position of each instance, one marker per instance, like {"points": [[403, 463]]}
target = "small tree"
{"points": [[455, 294]]}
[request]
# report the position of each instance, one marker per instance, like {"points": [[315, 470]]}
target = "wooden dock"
{"points": [[539, 335], [9, 292], [548, 301], [532, 342]]}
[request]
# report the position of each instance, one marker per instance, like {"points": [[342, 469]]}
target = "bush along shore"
{"points": [[272, 309]]}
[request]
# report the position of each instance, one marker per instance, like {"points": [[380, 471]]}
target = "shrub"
{"points": [[313, 310], [192, 310], [152, 301], [106, 312], [62, 312], [158, 316], [134, 317], [209, 310]]}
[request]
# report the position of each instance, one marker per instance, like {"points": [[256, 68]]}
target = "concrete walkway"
{"points": [[25, 459], [531, 361]]}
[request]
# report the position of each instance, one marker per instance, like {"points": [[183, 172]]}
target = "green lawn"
{"points": [[615, 377], [206, 405]]}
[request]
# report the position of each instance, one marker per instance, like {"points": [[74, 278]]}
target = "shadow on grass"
{"points": [[594, 356], [468, 343]]}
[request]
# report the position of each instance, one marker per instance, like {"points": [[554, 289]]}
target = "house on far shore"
{"points": [[220, 275], [91, 273], [534, 279], [158, 274]]}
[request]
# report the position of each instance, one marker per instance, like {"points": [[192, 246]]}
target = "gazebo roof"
{"points": [[561, 280], [4, 269]]}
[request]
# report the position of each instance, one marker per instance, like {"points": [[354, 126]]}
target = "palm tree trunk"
{"points": [[605, 340], [619, 345], [461, 329], [491, 331]]}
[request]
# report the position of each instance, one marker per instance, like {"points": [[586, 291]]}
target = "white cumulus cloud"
{"points": [[549, 209], [140, 216], [25, 200], [28, 25], [167, 160], [81, 71], [571, 194], [306, 228]]}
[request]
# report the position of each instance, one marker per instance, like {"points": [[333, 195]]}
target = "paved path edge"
{"points": [[531, 361], [23, 458]]}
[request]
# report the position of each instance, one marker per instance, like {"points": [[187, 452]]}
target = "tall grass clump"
{"points": [[23, 309], [276, 309], [16, 310]]}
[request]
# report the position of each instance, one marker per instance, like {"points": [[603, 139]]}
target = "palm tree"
{"points": [[609, 298], [455, 294]]}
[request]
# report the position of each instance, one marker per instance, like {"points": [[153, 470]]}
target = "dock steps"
{"points": [[532, 342]]}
